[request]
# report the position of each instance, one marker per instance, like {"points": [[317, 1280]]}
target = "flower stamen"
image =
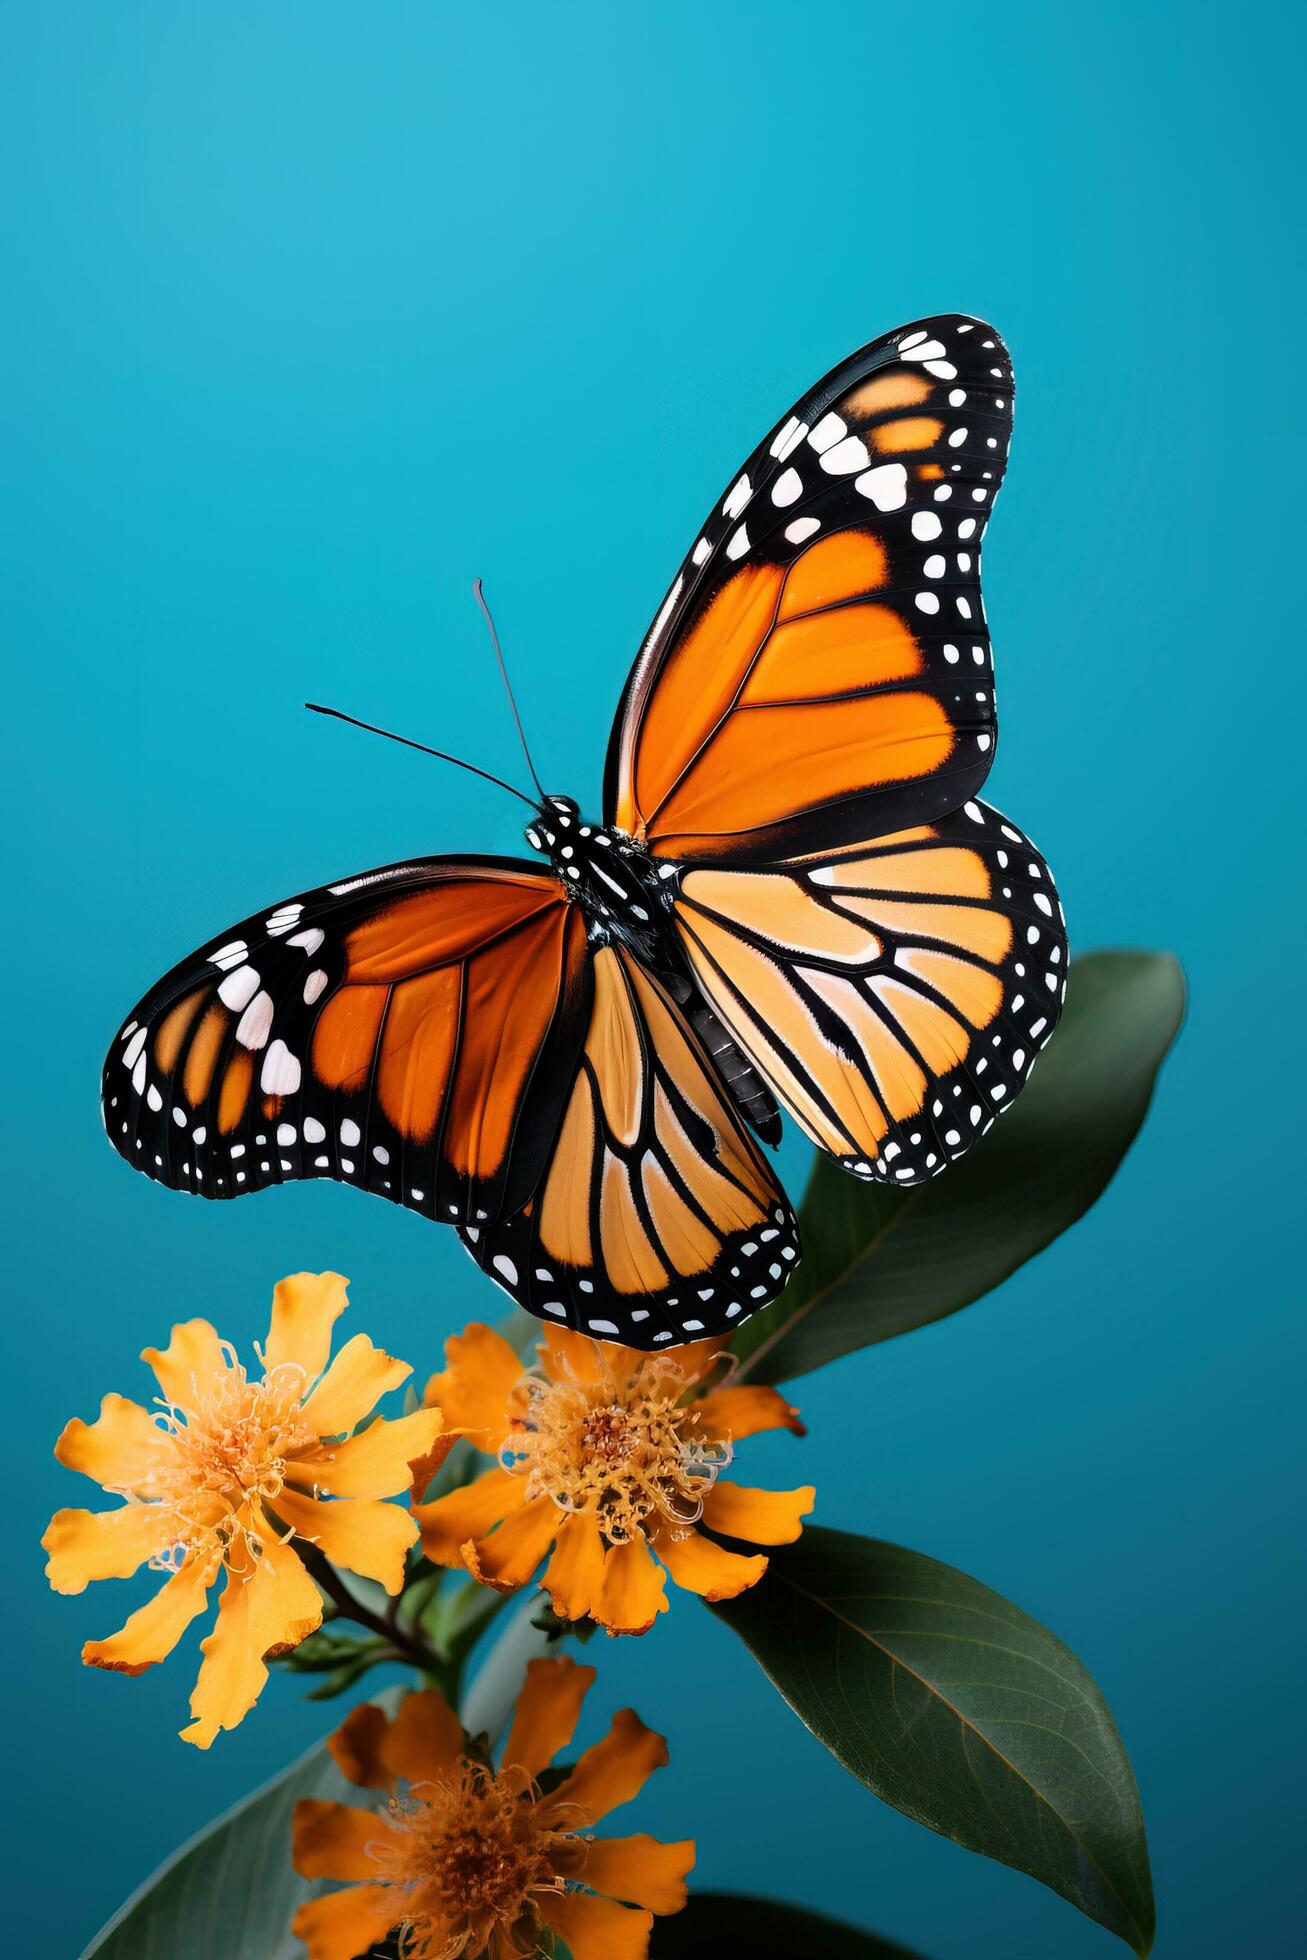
{"points": [[626, 1451], [232, 1449], [466, 1855]]}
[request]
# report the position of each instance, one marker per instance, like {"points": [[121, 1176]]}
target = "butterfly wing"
{"points": [[820, 669], [657, 1221], [894, 994], [410, 1031]]}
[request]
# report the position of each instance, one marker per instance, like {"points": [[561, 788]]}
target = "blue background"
{"points": [[314, 312]]}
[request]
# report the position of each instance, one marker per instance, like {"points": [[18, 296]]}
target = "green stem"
{"points": [[467, 1616], [408, 1645]]}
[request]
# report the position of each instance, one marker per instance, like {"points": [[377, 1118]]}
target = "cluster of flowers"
{"points": [[607, 1466]]}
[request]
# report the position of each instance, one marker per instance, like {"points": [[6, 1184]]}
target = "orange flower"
{"points": [[607, 1457], [476, 1860], [225, 1480]]}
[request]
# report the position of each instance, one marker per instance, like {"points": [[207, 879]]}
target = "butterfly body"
{"points": [[623, 893], [795, 901]]}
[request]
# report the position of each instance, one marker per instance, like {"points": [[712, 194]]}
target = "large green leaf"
{"points": [[716, 1924], [230, 1893], [878, 1261], [955, 1707]]}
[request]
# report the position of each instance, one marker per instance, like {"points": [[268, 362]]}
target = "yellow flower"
{"points": [[228, 1478], [607, 1457], [479, 1861]]}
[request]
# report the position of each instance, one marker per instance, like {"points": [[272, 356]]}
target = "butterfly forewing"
{"points": [[657, 1221], [409, 1031], [894, 994], [820, 670]]}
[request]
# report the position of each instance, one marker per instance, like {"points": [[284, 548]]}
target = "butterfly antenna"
{"points": [[315, 709], [480, 597]]}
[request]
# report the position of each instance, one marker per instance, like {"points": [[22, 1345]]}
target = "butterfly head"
{"points": [[604, 871]]}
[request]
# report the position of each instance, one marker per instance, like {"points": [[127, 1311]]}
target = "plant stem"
{"points": [[408, 1645]]}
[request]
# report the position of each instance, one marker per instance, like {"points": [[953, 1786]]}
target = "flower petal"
{"points": [[189, 1362], [356, 1747], [481, 1371], [575, 1573], [424, 1740], [87, 1545], [375, 1463], [265, 1611], [119, 1449], [506, 1558], [762, 1517], [612, 1771], [632, 1592], [570, 1357], [638, 1869], [305, 1308], [547, 1712], [352, 1386], [735, 1413], [343, 1925], [596, 1929], [330, 1840], [360, 1533], [469, 1512], [707, 1569], [154, 1629]]}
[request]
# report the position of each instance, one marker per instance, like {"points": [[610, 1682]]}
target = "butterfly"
{"points": [[795, 902]]}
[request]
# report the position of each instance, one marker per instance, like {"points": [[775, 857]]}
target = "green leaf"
{"points": [[715, 1924], [879, 1262], [956, 1708], [231, 1890]]}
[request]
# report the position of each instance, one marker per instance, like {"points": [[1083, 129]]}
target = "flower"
{"points": [[607, 1457], [476, 1860], [230, 1478]]}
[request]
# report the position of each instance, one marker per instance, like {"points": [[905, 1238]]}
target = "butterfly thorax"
{"points": [[625, 894]]}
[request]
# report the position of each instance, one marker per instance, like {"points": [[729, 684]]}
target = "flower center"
{"points": [[233, 1448], [467, 1852], [627, 1451]]}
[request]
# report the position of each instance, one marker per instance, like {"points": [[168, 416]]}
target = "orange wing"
{"points": [[411, 1031], [895, 994], [820, 670], [657, 1220]]}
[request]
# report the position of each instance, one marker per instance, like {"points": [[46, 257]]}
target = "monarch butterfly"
{"points": [[794, 902]]}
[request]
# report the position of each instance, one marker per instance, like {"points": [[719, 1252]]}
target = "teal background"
{"points": [[314, 312]]}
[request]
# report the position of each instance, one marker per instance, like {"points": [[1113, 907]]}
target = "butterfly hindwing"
{"points": [[657, 1220], [409, 1031], [820, 670], [894, 994]]}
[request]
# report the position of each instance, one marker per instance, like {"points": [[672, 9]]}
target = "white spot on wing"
{"points": [[239, 988], [280, 1075], [737, 498], [255, 1023], [886, 485], [827, 433], [846, 457]]}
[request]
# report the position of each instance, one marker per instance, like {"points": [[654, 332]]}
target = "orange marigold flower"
{"points": [[608, 1458], [224, 1481], [475, 1860]]}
